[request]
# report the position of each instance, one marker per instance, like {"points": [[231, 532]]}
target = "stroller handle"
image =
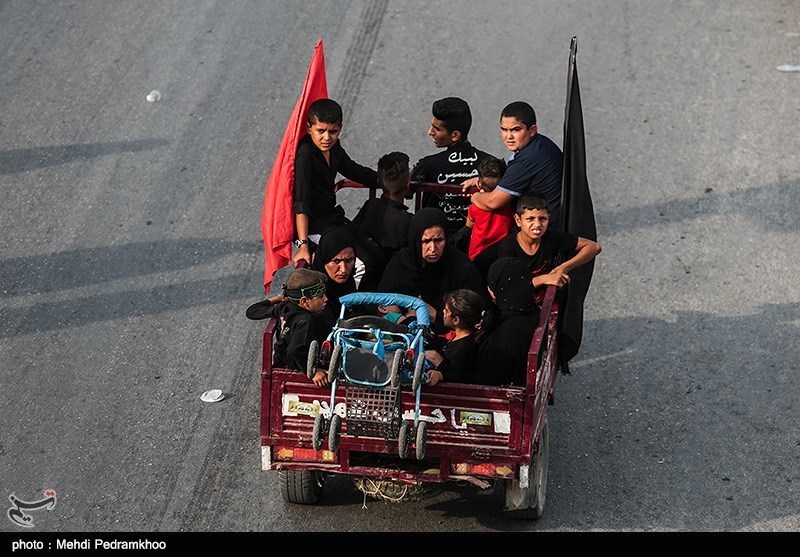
{"points": [[388, 299]]}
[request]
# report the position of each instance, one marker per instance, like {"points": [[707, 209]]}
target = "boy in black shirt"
{"points": [[450, 125], [320, 157], [383, 221], [540, 246], [298, 310]]}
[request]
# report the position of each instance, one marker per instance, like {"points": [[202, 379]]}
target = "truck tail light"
{"points": [[483, 469], [303, 455]]}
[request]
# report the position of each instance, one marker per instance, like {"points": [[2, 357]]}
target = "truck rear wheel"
{"points": [[528, 503], [303, 487]]}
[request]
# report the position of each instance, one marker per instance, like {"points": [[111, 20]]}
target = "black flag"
{"points": [[577, 213]]}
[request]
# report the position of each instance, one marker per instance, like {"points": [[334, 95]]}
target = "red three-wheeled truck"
{"points": [[398, 439]]}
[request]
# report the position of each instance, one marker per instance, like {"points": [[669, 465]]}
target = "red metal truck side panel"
{"points": [[514, 415]]}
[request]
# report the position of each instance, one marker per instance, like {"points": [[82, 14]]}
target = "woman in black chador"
{"points": [[335, 256], [428, 267]]}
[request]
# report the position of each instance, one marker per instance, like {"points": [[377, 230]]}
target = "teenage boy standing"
{"points": [[320, 157], [450, 125], [540, 246], [536, 164]]}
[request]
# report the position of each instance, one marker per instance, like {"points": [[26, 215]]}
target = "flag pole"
{"points": [[277, 213], [577, 213]]}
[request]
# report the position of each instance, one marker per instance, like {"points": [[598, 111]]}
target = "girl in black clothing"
{"points": [[504, 354], [464, 313]]}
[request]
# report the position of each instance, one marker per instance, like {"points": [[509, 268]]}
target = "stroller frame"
{"points": [[373, 403]]}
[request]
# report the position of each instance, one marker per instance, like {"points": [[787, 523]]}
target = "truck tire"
{"points": [[303, 487], [528, 503]]}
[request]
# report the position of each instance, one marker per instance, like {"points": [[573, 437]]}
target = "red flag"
{"points": [[277, 215]]}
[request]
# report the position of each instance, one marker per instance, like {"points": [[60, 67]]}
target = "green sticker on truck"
{"points": [[474, 418]]}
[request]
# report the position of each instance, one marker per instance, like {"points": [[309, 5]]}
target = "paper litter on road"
{"points": [[214, 395]]}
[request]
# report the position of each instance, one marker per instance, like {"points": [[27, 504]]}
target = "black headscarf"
{"points": [[408, 272], [511, 281], [331, 242]]}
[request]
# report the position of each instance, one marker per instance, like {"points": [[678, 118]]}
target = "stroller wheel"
{"points": [[311, 362], [319, 428], [422, 439], [418, 369], [404, 438], [399, 356], [334, 433], [333, 367]]}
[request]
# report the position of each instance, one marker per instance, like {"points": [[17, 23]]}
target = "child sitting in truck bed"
{"points": [[298, 310], [540, 246], [503, 356], [382, 222], [464, 313]]}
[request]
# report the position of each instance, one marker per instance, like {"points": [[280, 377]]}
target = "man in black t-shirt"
{"points": [[459, 161]]}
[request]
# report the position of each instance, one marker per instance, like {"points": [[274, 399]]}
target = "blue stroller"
{"points": [[373, 357]]}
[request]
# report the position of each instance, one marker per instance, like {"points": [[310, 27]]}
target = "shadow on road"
{"points": [[691, 424], [75, 268], [13, 161], [69, 269], [773, 207]]}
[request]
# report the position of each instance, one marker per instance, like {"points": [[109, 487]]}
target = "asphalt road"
{"points": [[130, 247]]}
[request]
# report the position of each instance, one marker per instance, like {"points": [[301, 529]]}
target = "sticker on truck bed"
{"points": [[295, 407], [474, 418], [292, 406], [462, 419]]}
